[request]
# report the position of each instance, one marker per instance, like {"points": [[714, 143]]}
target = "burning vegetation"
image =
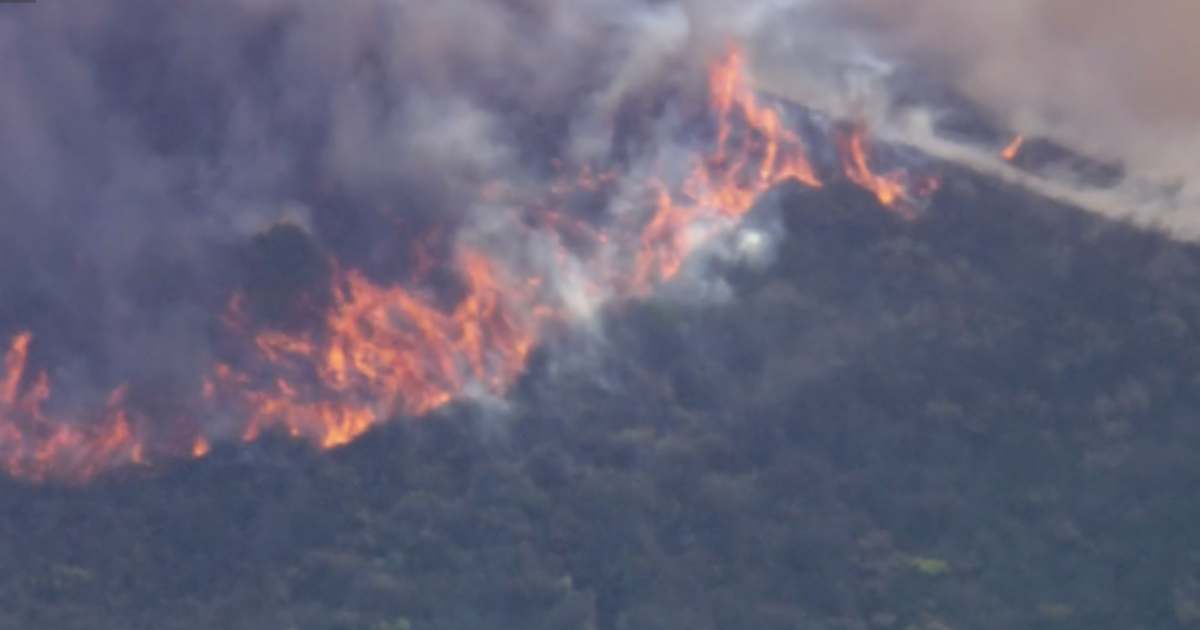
{"points": [[374, 349], [991, 405], [267, 231]]}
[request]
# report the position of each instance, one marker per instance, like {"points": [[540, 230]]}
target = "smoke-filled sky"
{"points": [[140, 137], [140, 123], [143, 142], [427, 154], [230, 105], [1110, 75]]}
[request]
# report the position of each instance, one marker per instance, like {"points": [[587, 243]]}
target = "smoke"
{"points": [[233, 215], [1116, 79], [145, 143]]}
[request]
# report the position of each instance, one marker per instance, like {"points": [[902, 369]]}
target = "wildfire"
{"points": [[753, 152], [1010, 151], [384, 351], [890, 190], [388, 350], [38, 446]]}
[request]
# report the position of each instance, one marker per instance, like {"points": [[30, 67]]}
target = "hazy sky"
{"points": [[1114, 75]]}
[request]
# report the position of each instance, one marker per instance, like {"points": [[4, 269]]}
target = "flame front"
{"points": [[39, 446], [384, 351], [753, 152], [389, 350]]}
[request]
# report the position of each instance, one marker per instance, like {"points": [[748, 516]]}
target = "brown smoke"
{"points": [[1110, 76]]}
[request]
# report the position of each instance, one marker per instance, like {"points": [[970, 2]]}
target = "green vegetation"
{"points": [[985, 419]]}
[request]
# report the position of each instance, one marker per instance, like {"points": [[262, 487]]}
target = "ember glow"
{"points": [[385, 351], [1010, 151]]}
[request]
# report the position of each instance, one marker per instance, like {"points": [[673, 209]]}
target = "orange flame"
{"points": [[388, 350], [1010, 151], [38, 446], [889, 190], [725, 183], [782, 154]]}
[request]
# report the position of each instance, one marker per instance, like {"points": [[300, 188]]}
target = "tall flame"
{"points": [[384, 351], [890, 189], [390, 350], [753, 152], [38, 446]]}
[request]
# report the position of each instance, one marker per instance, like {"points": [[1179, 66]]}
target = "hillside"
{"points": [[983, 419]]}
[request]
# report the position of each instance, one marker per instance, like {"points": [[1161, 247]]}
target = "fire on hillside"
{"points": [[383, 350]]}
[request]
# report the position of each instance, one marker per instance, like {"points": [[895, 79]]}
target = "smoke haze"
{"points": [[147, 147], [1117, 78], [139, 138]]}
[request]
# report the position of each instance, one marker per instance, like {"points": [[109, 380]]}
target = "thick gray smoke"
{"points": [[143, 140]]}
